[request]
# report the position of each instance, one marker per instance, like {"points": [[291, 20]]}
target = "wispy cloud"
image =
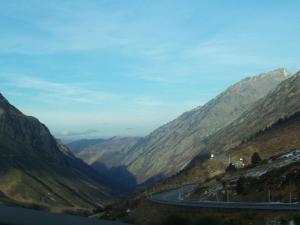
{"points": [[71, 28], [58, 91], [147, 61], [77, 134]]}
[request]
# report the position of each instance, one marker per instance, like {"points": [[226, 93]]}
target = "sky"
{"points": [[100, 68]]}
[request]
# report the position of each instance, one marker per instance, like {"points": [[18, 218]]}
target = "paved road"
{"points": [[21, 216], [176, 197]]}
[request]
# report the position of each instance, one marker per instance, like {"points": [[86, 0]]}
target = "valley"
{"points": [[219, 167], [149, 112]]}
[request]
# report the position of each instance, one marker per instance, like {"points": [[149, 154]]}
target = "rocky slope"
{"points": [[36, 168], [270, 127], [283, 102], [282, 137], [171, 147]]}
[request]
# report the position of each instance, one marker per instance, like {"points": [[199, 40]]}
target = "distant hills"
{"points": [[79, 145], [108, 156], [111, 152], [36, 168]]}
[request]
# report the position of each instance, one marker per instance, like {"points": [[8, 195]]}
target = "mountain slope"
{"points": [[109, 152], [169, 148], [281, 137], [79, 145], [36, 168], [282, 102], [107, 157], [270, 127], [271, 180]]}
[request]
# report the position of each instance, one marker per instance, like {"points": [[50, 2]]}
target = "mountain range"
{"points": [[193, 135], [258, 114], [171, 147]]}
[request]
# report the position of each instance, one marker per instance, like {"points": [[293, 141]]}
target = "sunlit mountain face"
{"points": [[149, 112]]}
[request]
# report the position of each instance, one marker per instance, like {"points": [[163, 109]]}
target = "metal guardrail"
{"points": [[159, 198]]}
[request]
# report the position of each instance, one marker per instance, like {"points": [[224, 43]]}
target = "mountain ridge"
{"points": [[281, 102], [36, 168], [180, 140]]}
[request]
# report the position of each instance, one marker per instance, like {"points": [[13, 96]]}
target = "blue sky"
{"points": [[107, 67]]}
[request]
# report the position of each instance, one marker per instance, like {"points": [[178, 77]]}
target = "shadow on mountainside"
{"points": [[124, 183], [152, 181]]}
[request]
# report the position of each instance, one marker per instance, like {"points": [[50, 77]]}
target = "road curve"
{"points": [[175, 198], [20, 216]]}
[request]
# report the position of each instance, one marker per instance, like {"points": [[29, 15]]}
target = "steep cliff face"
{"points": [[172, 146], [37, 168]]}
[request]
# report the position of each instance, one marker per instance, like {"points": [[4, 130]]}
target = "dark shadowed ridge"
{"points": [[106, 156], [36, 168]]}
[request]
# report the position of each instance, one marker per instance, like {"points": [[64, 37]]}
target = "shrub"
{"points": [[240, 185], [255, 159], [231, 168]]}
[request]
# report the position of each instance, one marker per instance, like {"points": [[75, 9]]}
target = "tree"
{"points": [[255, 159], [231, 168], [240, 185]]}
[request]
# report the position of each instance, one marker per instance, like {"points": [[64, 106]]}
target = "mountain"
{"points": [[107, 157], [110, 151], [280, 138], [270, 127], [79, 145], [280, 104], [37, 168], [171, 147], [276, 179]]}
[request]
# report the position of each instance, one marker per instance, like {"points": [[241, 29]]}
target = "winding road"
{"points": [[21, 216], [176, 198]]}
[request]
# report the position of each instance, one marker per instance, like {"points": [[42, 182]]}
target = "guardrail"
{"points": [[158, 198]]}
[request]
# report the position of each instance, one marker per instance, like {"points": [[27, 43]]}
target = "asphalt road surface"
{"points": [[177, 197], [21, 216]]}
